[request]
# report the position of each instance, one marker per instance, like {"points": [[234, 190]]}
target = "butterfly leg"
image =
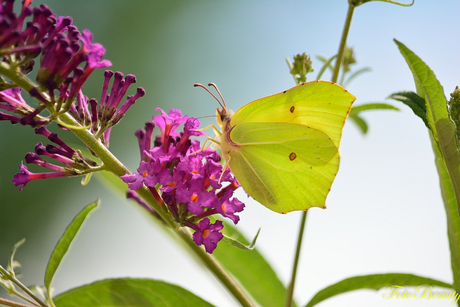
{"points": [[211, 140], [224, 168]]}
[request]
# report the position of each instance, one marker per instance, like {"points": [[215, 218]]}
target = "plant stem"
{"points": [[23, 288], [216, 268], [290, 291], [6, 302], [18, 78], [343, 42]]}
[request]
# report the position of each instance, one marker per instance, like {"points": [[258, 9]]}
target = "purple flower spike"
{"points": [[208, 234], [190, 180]]}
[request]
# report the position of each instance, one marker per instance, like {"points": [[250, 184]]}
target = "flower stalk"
{"points": [[343, 42]]}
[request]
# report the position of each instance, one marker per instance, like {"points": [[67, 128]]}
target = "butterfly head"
{"points": [[223, 115]]}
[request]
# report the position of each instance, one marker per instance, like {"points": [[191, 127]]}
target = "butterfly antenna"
{"points": [[217, 89], [220, 103]]}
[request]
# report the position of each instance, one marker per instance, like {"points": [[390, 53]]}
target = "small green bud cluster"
{"points": [[301, 67], [348, 59], [454, 109]]}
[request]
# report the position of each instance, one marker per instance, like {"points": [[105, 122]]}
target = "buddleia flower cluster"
{"points": [[190, 180], [186, 180]]}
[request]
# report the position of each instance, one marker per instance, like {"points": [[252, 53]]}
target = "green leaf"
{"points": [[252, 270], [360, 122], [327, 64], [129, 292], [355, 74], [442, 128], [413, 101], [374, 282], [443, 138], [64, 242], [453, 220], [372, 106], [240, 245]]}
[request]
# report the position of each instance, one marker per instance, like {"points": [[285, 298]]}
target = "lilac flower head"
{"points": [[190, 181]]}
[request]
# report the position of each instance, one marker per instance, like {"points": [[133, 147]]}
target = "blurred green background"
{"points": [[384, 212]]}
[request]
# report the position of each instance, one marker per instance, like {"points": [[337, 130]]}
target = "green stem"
{"points": [[17, 78], [23, 288], [6, 302], [343, 42], [290, 291], [216, 268], [111, 163]]}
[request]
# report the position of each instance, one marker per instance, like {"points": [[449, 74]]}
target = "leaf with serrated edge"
{"points": [[413, 101], [442, 128], [453, 220], [447, 155]]}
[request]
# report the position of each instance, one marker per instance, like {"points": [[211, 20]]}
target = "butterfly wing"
{"points": [[284, 166], [321, 105]]}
